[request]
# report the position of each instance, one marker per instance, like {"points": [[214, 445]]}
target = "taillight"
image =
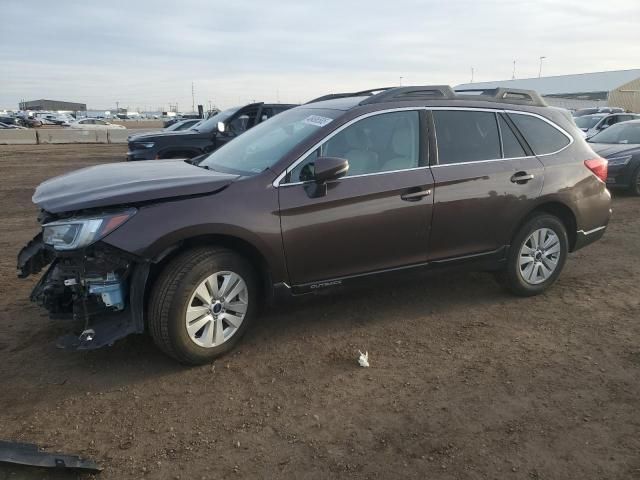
{"points": [[598, 166]]}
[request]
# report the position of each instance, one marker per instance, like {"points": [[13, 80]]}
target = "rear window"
{"points": [[511, 147], [540, 135], [464, 136]]}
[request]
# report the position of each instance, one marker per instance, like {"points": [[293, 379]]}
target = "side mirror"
{"points": [[325, 170], [222, 127], [329, 168]]}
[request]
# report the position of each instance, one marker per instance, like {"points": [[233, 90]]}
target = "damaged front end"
{"points": [[97, 287]]}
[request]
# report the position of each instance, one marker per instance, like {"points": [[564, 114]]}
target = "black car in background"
{"points": [[206, 137], [620, 145]]}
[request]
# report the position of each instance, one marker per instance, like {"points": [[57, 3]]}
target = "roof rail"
{"points": [[514, 96], [362, 93], [429, 92], [505, 95]]}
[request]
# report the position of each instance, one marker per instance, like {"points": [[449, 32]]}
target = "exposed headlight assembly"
{"points": [[80, 232], [619, 160]]}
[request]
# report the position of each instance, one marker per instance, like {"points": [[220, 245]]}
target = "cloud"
{"points": [[146, 53]]}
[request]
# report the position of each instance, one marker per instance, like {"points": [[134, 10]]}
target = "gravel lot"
{"points": [[466, 381]]}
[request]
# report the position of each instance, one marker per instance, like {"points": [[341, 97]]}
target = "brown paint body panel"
{"points": [[476, 203], [361, 225]]}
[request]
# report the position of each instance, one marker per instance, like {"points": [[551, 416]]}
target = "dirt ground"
{"points": [[466, 381]]}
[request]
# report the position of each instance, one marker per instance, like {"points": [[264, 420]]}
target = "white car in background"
{"points": [[94, 124]]}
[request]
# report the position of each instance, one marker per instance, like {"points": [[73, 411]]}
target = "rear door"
{"points": [[375, 218], [485, 177]]}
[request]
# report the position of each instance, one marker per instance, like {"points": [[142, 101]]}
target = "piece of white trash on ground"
{"points": [[363, 360]]}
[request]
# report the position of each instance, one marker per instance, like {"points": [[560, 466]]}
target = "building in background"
{"points": [[618, 88], [53, 105]]}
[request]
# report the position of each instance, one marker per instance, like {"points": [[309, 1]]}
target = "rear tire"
{"points": [[536, 257], [183, 320]]}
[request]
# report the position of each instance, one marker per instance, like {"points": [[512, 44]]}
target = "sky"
{"points": [[145, 54]]}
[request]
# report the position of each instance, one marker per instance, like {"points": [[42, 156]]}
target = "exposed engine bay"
{"points": [[91, 287]]}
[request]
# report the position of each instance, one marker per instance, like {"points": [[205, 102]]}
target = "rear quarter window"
{"points": [[542, 137]]}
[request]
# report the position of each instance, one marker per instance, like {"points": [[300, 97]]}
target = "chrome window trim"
{"points": [[276, 183], [361, 175], [437, 165]]}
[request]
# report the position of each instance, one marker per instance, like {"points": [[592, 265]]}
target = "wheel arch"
{"points": [[239, 245], [558, 209]]}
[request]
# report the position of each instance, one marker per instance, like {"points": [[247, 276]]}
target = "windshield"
{"points": [[621, 133], [588, 121], [211, 124], [265, 144]]}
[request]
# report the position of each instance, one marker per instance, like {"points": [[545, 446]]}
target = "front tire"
{"points": [[536, 256], [634, 188], [202, 303]]}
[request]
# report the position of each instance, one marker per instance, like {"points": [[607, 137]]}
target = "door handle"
{"points": [[413, 196], [522, 177]]}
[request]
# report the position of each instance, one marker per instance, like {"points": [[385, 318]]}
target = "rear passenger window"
{"points": [[465, 136], [541, 136], [511, 147]]}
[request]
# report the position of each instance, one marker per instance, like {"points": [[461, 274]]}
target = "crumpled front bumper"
{"points": [[100, 289]]}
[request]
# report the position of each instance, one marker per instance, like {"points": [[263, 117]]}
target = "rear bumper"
{"points": [[584, 238], [621, 175]]}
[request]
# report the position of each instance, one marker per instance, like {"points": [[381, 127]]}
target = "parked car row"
{"points": [[205, 137], [320, 196], [595, 123], [620, 145]]}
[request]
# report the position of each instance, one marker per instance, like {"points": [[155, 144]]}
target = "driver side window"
{"points": [[380, 143]]}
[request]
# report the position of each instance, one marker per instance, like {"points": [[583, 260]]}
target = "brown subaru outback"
{"points": [[344, 188]]}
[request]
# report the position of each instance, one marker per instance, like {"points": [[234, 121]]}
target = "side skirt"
{"points": [[493, 260]]}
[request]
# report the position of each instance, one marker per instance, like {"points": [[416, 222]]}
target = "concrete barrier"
{"points": [[120, 136], [12, 136], [145, 124], [67, 135], [71, 135]]}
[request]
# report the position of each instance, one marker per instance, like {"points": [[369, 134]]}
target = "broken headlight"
{"points": [[74, 233]]}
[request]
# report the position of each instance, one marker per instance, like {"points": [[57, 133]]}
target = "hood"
{"points": [[614, 149], [172, 133], [127, 183]]}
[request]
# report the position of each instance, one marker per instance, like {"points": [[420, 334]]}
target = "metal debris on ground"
{"points": [[29, 454]]}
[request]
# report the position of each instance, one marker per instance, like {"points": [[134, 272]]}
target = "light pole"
{"points": [[540, 69], [471, 74], [513, 75], [401, 80]]}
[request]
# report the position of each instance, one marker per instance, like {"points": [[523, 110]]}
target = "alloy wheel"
{"points": [[539, 256], [216, 309]]}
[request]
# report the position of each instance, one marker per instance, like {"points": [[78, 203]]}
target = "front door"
{"points": [[484, 181], [375, 218]]}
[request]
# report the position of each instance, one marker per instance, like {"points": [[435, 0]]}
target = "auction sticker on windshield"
{"points": [[317, 120]]}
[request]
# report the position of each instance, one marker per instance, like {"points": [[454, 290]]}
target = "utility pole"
{"points": [[193, 98], [401, 80], [540, 69], [513, 75], [117, 107], [471, 74]]}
